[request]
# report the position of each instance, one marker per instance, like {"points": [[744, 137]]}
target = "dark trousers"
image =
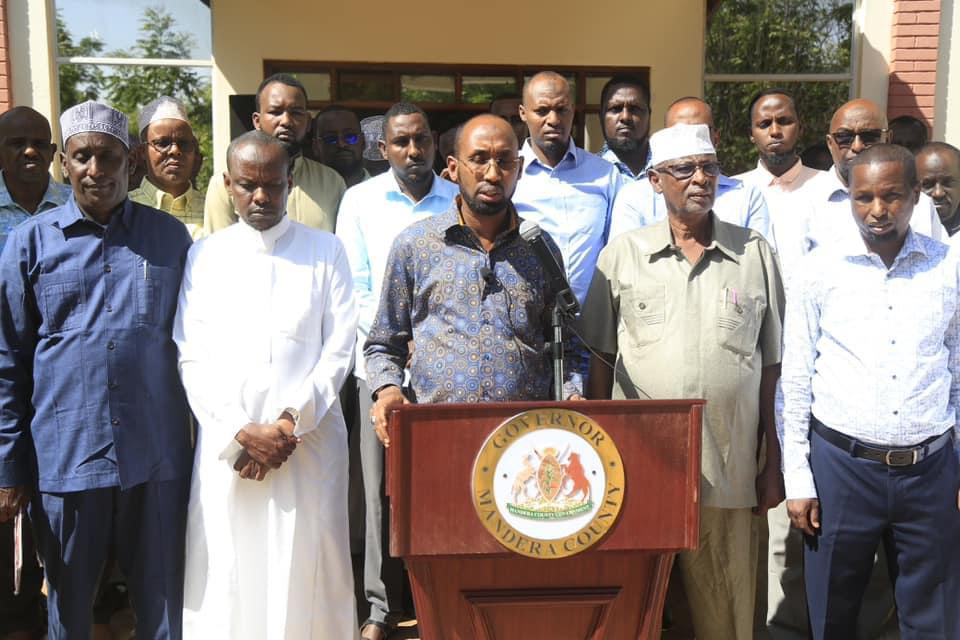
{"points": [[383, 577], [145, 524], [913, 511], [21, 612]]}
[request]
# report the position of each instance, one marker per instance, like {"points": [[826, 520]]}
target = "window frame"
{"points": [[397, 69]]}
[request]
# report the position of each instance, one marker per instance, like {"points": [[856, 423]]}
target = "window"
{"points": [[129, 53], [803, 46], [450, 94]]}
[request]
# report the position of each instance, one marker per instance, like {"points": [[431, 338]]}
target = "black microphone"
{"points": [[566, 301], [487, 274]]}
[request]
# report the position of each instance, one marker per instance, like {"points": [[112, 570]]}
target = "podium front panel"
{"points": [[433, 447]]}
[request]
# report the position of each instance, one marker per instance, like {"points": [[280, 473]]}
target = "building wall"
{"points": [[5, 100], [31, 30], [913, 59], [666, 35], [947, 97]]}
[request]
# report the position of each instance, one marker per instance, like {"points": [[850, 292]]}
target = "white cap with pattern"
{"points": [[163, 108], [93, 117], [680, 141]]}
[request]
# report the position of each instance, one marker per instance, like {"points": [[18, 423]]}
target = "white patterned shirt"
{"points": [[873, 353]]}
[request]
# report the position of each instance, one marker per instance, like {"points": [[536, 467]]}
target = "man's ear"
{"points": [[453, 169], [256, 120], [522, 111], [133, 158], [654, 179], [383, 148]]}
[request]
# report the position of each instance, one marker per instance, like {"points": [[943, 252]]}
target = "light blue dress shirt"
{"points": [[572, 202], [608, 154], [871, 351], [372, 214], [639, 205], [12, 214]]}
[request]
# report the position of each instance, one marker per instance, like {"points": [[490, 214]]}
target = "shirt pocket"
{"points": [[738, 324], [63, 299], [157, 290], [644, 313]]}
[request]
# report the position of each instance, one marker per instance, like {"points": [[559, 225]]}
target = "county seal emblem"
{"points": [[548, 483]]}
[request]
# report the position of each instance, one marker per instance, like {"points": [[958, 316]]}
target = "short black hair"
{"points": [[402, 109], [282, 78], [909, 132], [886, 152], [624, 80], [773, 91], [255, 136]]}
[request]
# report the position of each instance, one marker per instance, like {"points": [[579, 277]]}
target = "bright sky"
{"points": [[117, 22]]}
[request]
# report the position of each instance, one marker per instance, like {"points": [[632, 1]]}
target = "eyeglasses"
{"points": [[479, 165], [163, 145], [687, 170], [333, 138], [844, 138]]}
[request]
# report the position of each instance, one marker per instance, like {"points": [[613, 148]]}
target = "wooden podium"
{"points": [[467, 586]]}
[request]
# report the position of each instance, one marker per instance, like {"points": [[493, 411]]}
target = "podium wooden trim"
{"points": [[467, 586]]}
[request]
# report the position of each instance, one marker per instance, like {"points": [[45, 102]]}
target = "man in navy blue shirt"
{"points": [[93, 421]]}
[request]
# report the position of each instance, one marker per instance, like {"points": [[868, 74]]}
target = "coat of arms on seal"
{"points": [[548, 483], [561, 489]]}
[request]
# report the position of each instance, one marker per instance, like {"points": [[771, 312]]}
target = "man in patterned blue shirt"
{"points": [[93, 420], [871, 385], [26, 152], [467, 289]]}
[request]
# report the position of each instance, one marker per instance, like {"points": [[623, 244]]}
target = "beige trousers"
{"points": [[720, 576]]}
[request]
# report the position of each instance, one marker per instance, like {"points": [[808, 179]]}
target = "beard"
{"points": [[293, 148], [348, 168], [780, 160], [481, 208], [551, 148], [625, 146]]}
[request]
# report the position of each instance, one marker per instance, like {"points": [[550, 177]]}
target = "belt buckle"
{"points": [[901, 457]]}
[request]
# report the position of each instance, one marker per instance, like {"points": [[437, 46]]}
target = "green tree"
{"points": [[78, 82], [131, 87], [775, 36]]}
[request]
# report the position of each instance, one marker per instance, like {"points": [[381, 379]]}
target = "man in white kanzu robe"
{"points": [[265, 329]]}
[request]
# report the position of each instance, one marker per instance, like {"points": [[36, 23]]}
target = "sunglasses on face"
{"points": [[686, 170], [845, 138], [333, 138]]}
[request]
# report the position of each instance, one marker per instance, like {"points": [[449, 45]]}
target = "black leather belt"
{"points": [[890, 456]]}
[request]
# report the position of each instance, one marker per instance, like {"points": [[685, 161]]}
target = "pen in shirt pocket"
{"points": [[146, 266]]}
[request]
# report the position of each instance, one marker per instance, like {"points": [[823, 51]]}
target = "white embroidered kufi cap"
{"points": [[679, 141], [163, 108], [93, 117]]}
